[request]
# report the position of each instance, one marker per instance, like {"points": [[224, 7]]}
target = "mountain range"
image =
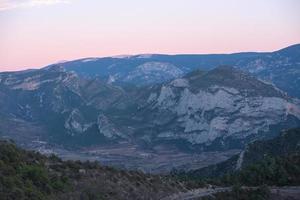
{"points": [[194, 103], [279, 67]]}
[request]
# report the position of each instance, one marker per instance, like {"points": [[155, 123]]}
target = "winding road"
{"points": [[192, 194], [291, 192]]}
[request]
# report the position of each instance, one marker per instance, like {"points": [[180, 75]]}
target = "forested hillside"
{"points": [[30, 175], [270, 162]]}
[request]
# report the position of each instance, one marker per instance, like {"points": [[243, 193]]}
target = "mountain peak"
{"points": [[231, 77]]}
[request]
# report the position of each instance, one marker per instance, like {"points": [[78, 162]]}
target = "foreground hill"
{"points": [[30, 175], [274, 161]]}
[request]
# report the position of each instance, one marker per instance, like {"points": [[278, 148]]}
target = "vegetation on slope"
{"points": [[239, 193], [280, 171], [30, 175], [271, 162]]}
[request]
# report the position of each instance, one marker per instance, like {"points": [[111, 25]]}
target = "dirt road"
{"points": [[277, 193]]}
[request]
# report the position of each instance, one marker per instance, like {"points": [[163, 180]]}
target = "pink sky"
{"points": [[34, 33]]}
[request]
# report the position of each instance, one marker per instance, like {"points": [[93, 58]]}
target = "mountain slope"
{"points": [[287, 143], [58, 102], [282, 68], [221, 108]]}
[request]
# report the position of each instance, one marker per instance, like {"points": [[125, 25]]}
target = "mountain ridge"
{"points": [[280, 67]]}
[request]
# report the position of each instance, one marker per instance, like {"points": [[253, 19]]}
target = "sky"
{"points": [[35, 33]]}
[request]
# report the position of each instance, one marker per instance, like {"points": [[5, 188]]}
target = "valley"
{"points": [[31, 175], [160, 160]]}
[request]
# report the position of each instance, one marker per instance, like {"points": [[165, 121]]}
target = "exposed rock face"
{"points": [[206, 116], [108, 129], [76, 124], [217, 111]]}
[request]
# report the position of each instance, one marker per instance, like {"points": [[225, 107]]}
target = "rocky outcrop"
{"points": [[219, 112], [76, 124], [108, 129]]}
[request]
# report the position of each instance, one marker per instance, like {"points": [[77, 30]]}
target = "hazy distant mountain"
{"points": [[219, 109], [279, 67]]}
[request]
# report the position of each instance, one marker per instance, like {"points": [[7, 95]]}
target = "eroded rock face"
{"points": [[108, 129], [217, 111], [222, 112], [76, 124]]}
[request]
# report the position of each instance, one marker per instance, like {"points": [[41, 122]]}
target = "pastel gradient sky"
{"points": [[34, 33]]}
